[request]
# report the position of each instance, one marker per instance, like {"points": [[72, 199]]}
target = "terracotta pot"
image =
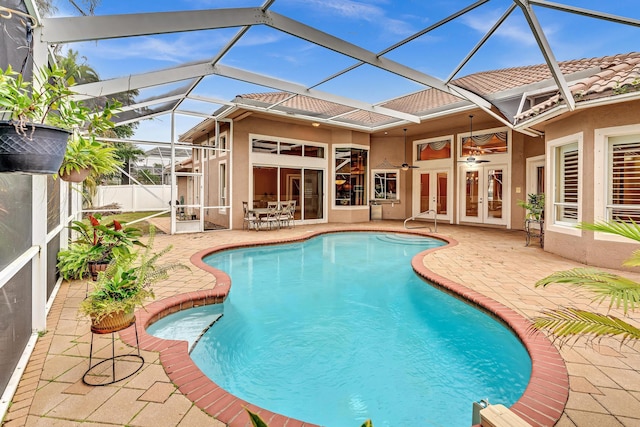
{"points": [[39, 151], [113, 322], [75, 176]]}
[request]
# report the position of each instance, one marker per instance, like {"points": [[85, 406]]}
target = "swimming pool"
{"points": [[338, 329]]}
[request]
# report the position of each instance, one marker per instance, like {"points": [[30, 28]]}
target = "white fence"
{"points": [[132, 198]]}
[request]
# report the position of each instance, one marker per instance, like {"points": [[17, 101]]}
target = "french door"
{"points": [[483, 194], [434, 193]]}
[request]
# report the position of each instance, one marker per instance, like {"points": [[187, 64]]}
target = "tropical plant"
{"points": [[126, 284], [106, 240], [257, 421], [534, 206], [97, 242], [571, 323], [89, 153], [51, 102]]}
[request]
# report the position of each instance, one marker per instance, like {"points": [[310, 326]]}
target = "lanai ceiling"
{"points": [[351, 76]]}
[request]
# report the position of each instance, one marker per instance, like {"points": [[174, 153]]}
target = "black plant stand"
{"points": [[533, 231], [92, 373]]}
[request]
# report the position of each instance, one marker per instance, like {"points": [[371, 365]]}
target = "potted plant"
{"points": [[534, 206], [125, 285], [36, 120], [97, 245], [84, 156]]}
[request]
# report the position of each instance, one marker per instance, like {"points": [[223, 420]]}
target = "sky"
{"points": [[374, 25]]}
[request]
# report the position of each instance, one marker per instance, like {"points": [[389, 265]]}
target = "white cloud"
{"points": [[170, 49], [514, 29], [356, 10]]}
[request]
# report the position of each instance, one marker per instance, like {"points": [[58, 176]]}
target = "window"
{"points": [[385, 185], [350, 176], [211, 147], [566, 197], [222, 142], [564, 169], [223, 187], [485, 144], [623, 195], [286, 148], [617, 176], [434, 150]]}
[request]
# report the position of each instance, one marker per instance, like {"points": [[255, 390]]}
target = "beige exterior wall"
{"points": [[584, 248], [270, 126]]}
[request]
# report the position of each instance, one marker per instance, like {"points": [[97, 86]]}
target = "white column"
{"points": [[39, 215]]}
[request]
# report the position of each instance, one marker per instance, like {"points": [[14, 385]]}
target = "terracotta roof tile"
{"points": [[618, 73]]}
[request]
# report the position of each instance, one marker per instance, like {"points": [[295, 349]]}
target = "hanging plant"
{"points": [[37, 120]]}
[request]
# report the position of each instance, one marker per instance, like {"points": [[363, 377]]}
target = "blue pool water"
{"points": [[338, 329]]}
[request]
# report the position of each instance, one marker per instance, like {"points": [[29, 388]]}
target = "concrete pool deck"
{"points": [[604, 380]]}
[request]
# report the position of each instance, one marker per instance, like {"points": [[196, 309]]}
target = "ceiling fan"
{"points": [[471, 159], [405, 166]]}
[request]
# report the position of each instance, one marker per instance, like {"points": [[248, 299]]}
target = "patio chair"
{"points": [[250, 220], [292, 205], [272, 218], [286, 213]]}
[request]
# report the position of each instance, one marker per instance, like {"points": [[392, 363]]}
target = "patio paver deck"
{"points": [[604, 379]]}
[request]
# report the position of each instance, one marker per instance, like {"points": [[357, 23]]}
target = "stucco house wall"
{"points": [[585, 248]]}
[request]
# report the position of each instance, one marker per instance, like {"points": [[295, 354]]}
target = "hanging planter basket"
{"points": [[40, 151], [75, 176], [96, 267], [113, 322]]}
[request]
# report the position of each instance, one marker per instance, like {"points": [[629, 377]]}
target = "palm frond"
{"points": [[634, 260], [567, 323], [620, 291], [256, 421], [630, 230]]}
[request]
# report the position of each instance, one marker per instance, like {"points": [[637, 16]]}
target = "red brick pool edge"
{"points": [[541, 404]]}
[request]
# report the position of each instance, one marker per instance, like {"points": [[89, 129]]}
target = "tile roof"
{"points": [[618, 74], [612, 75]]}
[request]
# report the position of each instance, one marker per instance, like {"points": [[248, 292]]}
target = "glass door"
{"points": [[281, 184], [483, 194], [313, 206], [434, 194]]}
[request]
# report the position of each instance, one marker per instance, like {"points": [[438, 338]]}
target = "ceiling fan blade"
{"points": [[473, 160]]}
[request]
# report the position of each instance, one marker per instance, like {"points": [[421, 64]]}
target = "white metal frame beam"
{"points": [[586, 12], [86, 28], [547, 52], [60, 30]]}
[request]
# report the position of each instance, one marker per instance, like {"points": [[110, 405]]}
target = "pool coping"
{"points": [[541, 404]]}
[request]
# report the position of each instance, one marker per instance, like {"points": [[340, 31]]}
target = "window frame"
{"points": [[601, 168], [223, 142], [223, 191], [212, 147], [334, 173], [416, 144], [278, 141], [372, 184], [553, 224]]}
